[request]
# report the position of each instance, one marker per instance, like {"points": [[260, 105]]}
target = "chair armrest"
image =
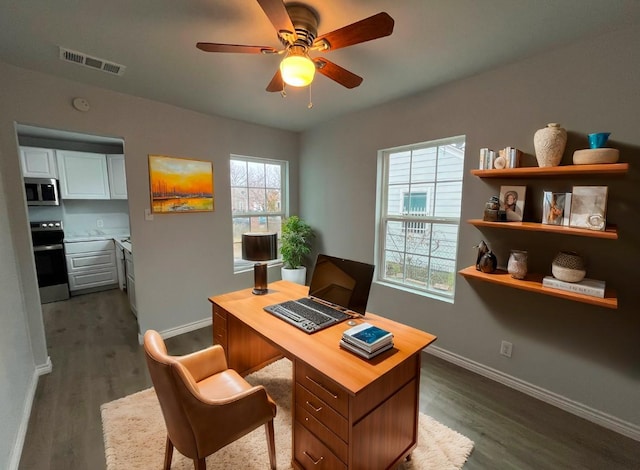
{"points": [[204, 363]]}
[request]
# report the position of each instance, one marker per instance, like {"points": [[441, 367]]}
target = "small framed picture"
{"points": [[589, 207], [512, 202], [553, 207]]}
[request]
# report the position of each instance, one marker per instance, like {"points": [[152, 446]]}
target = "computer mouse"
{"points": [[351, 323]]}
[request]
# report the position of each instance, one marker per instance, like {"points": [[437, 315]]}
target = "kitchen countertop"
{"points": [[124, 244], [93, 235]]}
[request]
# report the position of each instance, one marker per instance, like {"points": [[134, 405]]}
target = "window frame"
{"points": [[240, 265], [383, 218]]}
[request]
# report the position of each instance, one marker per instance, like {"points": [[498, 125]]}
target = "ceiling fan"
{"points": [[297, 28]]}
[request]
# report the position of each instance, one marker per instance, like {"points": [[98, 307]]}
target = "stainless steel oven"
{"points": [[51, 265], [41, 191]]}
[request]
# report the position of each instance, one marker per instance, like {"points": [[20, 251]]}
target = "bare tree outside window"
{"points": [[258, 199]]}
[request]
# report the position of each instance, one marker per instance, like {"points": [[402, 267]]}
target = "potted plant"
{"points": [[295, 243]]}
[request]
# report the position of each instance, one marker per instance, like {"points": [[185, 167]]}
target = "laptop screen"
{"points": [[342, 282]]}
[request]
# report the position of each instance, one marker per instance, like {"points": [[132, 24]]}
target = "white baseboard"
{"points": [[598, 417], [16, 454], [45, 368], [196, 325]]}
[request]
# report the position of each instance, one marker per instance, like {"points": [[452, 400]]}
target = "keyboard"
{"points": [[307, 315]]}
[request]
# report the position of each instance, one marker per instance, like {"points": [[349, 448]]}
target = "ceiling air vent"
{"points": [[91, 62]]}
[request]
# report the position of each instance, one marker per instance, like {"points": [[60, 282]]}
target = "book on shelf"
{"points": [[368, 336], [361, 352], [591, 287]]}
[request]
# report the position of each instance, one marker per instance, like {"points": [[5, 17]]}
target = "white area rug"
{"points": [[135, 433]]}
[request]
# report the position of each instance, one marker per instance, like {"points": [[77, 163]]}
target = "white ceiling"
{"points": [[434, 41]]}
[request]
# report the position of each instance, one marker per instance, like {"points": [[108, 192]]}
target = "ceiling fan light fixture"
{"points": [[297, 69]]}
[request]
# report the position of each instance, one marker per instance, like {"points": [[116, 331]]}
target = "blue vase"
{"points": [[598, 139]]}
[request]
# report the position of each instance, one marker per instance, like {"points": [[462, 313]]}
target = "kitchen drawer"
{"points": [[322, 387], [71, 248], [322, 412], [330, 439], [90, 279], [90, 261], [310, 452]]}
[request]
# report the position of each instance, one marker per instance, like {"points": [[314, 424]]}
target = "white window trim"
{"points": [[382, 219]]}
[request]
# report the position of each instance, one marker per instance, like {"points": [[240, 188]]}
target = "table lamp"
{"points": [[259, 246]]}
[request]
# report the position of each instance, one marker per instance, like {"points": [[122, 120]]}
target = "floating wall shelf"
{"points": [[562, 170], [533, 283], [610, 232]]}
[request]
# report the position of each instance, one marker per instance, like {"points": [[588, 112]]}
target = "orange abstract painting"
{"points": [[180, 185]]}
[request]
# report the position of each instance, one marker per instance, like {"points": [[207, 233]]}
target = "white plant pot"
{"points": [[297, 275]]}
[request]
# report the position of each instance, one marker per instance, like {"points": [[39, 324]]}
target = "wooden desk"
{"points": [[348, 412]]}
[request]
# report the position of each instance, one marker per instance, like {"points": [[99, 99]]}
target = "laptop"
{"points": [[339, 290]]}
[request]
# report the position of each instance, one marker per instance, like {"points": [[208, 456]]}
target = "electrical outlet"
{"points": [[99, 223], [506, 348]]}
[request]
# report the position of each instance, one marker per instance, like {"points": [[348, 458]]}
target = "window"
{"points": [[258, 200], [419, 203]]}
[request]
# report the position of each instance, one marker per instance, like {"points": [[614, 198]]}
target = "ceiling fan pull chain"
{"points": [[310, 105]]}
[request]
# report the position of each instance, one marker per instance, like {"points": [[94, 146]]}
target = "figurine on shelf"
{"points": [[492, 211], [486, 260]]}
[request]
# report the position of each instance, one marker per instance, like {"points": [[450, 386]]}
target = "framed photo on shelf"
{"points": [[512, 202], [180, 185], [554, 206], [589, 207]]}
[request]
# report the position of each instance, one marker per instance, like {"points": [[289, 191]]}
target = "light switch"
{"points": [[148, 215]]}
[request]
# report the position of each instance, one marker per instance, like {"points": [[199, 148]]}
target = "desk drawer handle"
{"points": [[315, 462], [322, 387], [313, 407]]}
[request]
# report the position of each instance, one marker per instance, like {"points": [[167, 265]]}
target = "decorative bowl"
{"points": [[594, 156], [568, 266]]}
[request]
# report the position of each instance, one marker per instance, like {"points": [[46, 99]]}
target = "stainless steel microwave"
{"points": [[41, 191]]}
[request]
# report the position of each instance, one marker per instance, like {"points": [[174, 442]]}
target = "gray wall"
{"points": [[585, 354], [180, 259]]}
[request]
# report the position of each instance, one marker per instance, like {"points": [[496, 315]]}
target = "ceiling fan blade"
{"points": [[214, 47], [279, 17], [276, 83], [336, 73], [374, 27]]}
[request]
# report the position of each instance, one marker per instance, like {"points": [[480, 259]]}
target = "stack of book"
{"points": [[591, 287], [366, 340]]}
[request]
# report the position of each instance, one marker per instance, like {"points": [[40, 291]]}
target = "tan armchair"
{"points": [[205, 404]]}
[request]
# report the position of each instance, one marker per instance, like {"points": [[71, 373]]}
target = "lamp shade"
{"points": [[259, 246], [297, 69]]}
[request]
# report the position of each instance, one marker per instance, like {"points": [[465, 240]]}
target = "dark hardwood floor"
{"points": [[93, 345]]}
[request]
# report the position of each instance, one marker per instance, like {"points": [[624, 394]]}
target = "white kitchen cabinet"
{"points": [[117, 177], [38, 162], [83, 175], [91, 265]]}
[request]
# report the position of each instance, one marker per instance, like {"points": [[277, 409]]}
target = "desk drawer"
{"points": [[322, 387], [323, 433], [220, 327], [322, 412], [309, 452]]}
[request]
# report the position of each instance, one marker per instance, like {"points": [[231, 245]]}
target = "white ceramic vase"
{"points": [[297, 275], [549, 143]]}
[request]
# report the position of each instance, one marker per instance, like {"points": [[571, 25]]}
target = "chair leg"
{"points": [[271, 443], [168, 454], [199, 464]]}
